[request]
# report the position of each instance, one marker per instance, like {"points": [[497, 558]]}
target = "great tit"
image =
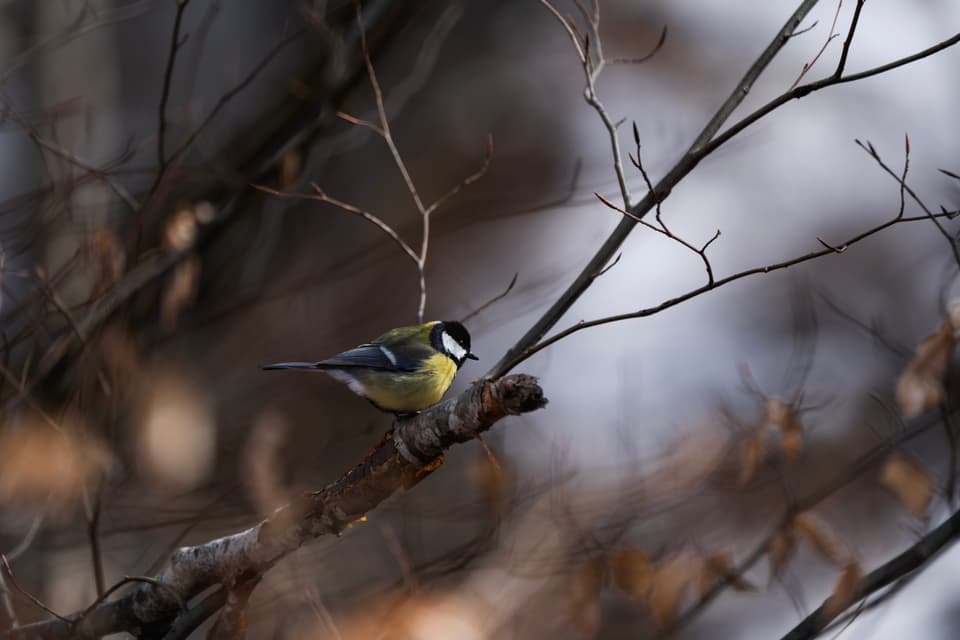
{"points": [[403, 371]]}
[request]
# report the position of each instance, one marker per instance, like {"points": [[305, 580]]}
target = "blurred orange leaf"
{"points": [[45, 467], [632, 572], [786, 419], [751, 454], [920, 386], [909, 482], [181, 288], [717, 566], [821, 537], [844, 591], [671, 582], [261, 463], [290, 165], [782, 547], [492, 478]]}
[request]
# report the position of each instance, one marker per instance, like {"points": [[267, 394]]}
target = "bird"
{"points": [[403, 371]]}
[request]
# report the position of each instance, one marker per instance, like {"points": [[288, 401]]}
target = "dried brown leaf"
{"points": [[262, 463], [672, 580], [920, 386], [786, 420], [844, 591], [584, 593], [493, 480], [121, 356], [909, 482], [632, 572], [821, 536], [290, 165], [752, 454], [181, 288], [717, 567], [782, 547], [47, 468]]}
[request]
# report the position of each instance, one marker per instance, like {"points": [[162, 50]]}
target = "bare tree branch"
{"points": [[532, 341], [684, 166]]}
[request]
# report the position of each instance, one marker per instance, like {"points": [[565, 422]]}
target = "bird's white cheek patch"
{"points": [[453, 347]]}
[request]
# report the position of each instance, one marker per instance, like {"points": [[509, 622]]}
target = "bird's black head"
{"points": [[453, 339]]}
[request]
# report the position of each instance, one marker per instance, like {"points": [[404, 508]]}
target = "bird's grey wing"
{"points": [[369, 356]]}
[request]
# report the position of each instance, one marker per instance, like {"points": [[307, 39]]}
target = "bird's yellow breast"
{"points": [[410, 391]]}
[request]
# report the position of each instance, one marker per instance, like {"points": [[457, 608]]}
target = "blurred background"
{"points": [[145, 280]]}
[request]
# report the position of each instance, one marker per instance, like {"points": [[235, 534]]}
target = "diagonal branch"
{"points": [[706, 143], [904, 564], [684, 166]]}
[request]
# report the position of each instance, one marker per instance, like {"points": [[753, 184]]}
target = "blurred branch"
{"points": [[863, 464], [285, 126], [399, 461], [175, 43], [904, 564]]}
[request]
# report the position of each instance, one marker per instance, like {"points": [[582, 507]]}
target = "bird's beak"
{"points": [[470, 356]]}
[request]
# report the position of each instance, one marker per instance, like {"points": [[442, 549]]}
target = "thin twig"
{"points": [[8, 603], [609, 266], [473, 177], [175, 44], [227, 96], [486, 305], [28, 539], [806, 89], [93, 536], [29, 596], [901, 180], [841, 65], [321, 196], [647, 56], [592, 70], [663, 230], [830, 36], [672, 302]]}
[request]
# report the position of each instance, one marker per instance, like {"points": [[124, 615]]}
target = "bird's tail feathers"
{"points": [[291, 365]]}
